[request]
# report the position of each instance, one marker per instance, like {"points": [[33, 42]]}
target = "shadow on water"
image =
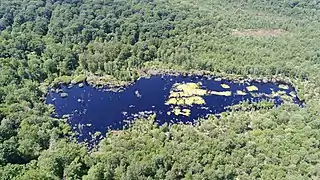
{"points": [[93, 111]]}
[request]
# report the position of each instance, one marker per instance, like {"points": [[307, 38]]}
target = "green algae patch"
{"points": [[222, 93], [252, 88], [225, 86], [184, 112], [283, 86], [241, 93]]}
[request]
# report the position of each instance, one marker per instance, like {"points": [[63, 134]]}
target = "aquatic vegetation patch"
{"points": [[174, 101], [222, 93], [137, 93], [64, 95], [283, 86], [293, 94], [277, 93], [194, 100], [186, 86], [186, 94], [252, 88], [241, 93], [194, 92], [283, 95], [225, 86], [185, 112], [189, 101], [187, 89], [287, 97], [256, 95]]}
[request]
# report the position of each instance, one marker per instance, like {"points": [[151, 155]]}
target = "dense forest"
{"points": [[44, 40]]}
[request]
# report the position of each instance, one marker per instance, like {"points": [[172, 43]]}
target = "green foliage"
{"points": [[63, 80], [241, 145], [78, 79], [104, 41]]}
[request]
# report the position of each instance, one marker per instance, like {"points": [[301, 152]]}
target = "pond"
{"points": [[92, 111]]}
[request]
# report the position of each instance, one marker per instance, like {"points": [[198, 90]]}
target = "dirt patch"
{"points": [[258, 32]]}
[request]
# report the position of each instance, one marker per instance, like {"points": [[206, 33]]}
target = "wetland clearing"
{"points": [[91, 111]]}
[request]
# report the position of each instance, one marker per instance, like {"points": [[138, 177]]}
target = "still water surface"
{"points": [[95, 110]]}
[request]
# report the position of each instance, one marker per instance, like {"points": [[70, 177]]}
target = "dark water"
{"points": [[95, 110]]}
